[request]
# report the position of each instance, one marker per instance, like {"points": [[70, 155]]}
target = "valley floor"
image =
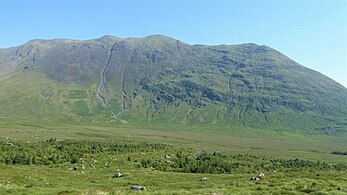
{"points": [[58, 180], [42, 161]]}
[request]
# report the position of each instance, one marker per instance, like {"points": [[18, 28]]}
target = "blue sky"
{"points": [[312, 32]]}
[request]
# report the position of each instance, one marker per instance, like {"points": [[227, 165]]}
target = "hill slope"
{"points": [[158, 81]]}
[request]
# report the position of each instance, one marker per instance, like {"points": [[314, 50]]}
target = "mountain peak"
{"points": [[159, 36], [107, 38]]}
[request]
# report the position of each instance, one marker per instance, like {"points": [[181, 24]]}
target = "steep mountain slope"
{"points": [[158, 80]]}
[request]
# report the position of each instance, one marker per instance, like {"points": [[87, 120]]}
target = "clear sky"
{"points": [[311, 32]]}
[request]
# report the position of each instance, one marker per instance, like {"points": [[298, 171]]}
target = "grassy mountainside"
{"points": [[158, 81]]}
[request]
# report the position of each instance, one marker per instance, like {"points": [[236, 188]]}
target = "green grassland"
{"points": [[129, 150]]}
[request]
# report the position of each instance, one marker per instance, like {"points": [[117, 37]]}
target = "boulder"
{"points": [[138, 188], [117, 174], [255, 178]]}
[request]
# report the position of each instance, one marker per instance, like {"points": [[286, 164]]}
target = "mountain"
{"points": [[159, 82]]}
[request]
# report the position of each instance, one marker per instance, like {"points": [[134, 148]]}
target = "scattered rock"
{"points": [[167, 161], [75, 168], [83, 167], [255, 178], [339, 188], [117, 174], [203, 179], [139, 188], [272, 171]]}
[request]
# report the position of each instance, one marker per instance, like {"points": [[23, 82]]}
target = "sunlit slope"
{"points": [[158, 81]]}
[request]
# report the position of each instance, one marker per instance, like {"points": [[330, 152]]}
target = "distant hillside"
{"points": [[158, 81]]}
